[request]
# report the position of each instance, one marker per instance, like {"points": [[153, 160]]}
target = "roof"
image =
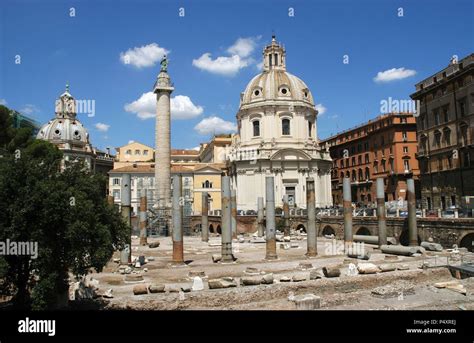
{"points": [[184, 152], [150, 168]]}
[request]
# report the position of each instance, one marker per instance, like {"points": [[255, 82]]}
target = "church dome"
{"points": [[275, 84], [65, 127]]}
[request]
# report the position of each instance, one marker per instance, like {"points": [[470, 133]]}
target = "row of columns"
{"points": [[229, 217], [381, 212]]}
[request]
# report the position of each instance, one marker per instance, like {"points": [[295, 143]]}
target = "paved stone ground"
{"points": [[344, 292]]}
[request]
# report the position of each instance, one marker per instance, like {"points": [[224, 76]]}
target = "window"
{"points": [[447, 136], [207, 184], [128, 152], [116, 181], [353, 161], [406, 164], [445, 114], [404, 136], [359, 159], [392, 168], [383, 166], [145, 152], [450, 161], [463, 129], [310, 126], [405, 150], [367, 173], [462, 107], [285, 127], [437, 138], [367, 158], [354, 177], [256, 128], [403, 120], [137, 152], [116, 194], [436, 117]]}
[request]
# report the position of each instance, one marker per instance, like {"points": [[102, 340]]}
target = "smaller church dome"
{"points": [[65, 127]]}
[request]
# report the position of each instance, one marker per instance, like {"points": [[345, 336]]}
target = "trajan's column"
{"points": [[163, 88]]}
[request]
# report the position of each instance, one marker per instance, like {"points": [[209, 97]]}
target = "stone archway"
{"points": [[328, 230], [363, 231], [218, 229], [211, 228], [301, 226], [467, 242]]}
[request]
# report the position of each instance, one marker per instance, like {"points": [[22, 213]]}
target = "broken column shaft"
{"points": [[204, 217], [347, 204], [233, 210], [311, 208], [381, 216], [260, 216], [286, 216], [270, 229], [177, 232], [412, 229], [126, 210], [143, 219], [226, 225]]}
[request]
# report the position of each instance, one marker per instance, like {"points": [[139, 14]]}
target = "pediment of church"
{"points": [[290, 155]]}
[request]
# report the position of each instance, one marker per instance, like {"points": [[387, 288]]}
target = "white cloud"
{"points": [[222, 65], [214, 125], [181, 107], [131, 141], [239, 58], [3, 102], [394, 74], [102, 127], [29, 109], [144, 56], [320, 108], [243, 47]]}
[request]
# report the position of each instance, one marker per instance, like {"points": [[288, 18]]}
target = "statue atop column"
{"points": [[164, 64]]}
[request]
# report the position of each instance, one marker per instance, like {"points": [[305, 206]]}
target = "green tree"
{"points": [[65, 212]]}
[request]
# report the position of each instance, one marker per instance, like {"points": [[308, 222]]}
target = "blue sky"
{"points": [[225, 41]]}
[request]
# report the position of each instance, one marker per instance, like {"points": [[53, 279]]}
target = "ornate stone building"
{"points": [[277, 136], [446, 136], [71, 137]]}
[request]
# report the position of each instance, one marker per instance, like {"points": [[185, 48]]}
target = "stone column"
{"points": [[143, 218], [177, 214], [226, 225], [260, 215], [347, 204], [412, 228], [286, 216], [204, 217], [163, 89], [233, 209], [381, 212], [126, 210], [270, 231], [311, 208]]}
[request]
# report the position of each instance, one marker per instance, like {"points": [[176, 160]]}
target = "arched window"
{"points": [[447, 136], [463, 130], [354, 177], [367, 173], [256, 128], [437, 138], [285, 127], [361, 176], [207, 184]]}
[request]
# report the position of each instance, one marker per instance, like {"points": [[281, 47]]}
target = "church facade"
{"points": [[277, 136]]}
